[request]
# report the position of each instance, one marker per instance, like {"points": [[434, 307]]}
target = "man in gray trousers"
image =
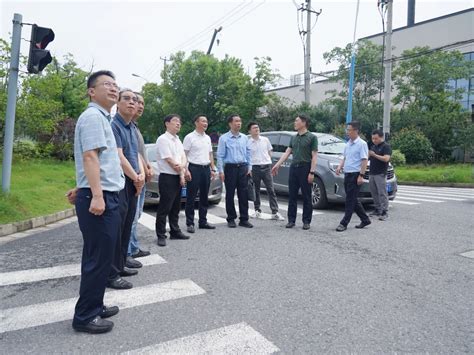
{"points": [[379, 156]]}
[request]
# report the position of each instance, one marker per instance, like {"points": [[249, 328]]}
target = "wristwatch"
{"points": [[312, 173], [361, 175]]}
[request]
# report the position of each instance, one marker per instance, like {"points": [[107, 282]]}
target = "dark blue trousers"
{"points": [[352, 202], [298, 179], [100, 235], [200, 182], [236, 179], [128, 208]]}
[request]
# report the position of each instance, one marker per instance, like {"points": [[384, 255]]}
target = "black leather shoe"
{"points": [[140, 254], [180, 236], [290, 225], [231, 224], [128, 272], [109, 311], [207, 226], [363, 224], [306, 226], [95, 326], [245, 224], [341, 228], [119, 284], [132, 263], [161, 241], [190, 229]]}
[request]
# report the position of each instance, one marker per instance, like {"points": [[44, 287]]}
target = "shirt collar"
{"points": [[121, 120], [354, 141], [170, 136], [255, 140], [101, 109], [199, 134], [234, 136]]}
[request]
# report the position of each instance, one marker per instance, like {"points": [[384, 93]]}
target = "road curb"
{"points": [[7, 229], [438, 184]]}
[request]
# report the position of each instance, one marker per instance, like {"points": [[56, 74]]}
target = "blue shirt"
{"points": [[127, 139], [232, 149], [93, 131], [354, 152]]}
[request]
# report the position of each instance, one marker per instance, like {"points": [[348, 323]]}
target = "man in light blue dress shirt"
{"points": [[233, 164]]}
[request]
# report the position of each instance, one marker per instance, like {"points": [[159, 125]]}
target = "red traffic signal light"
{"points": [[38, 57]]}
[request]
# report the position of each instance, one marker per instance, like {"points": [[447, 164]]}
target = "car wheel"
{"points": [[216, 201], [318, 195]]}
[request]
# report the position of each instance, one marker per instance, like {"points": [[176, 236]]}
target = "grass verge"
{"points": [[437, 173], [37, 189]]}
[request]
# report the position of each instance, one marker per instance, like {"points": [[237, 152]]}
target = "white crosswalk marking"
{"points": [[438, 192], [418, 199], [429, 195], [234, 339], [404, 202], [56, 311], [57, 272]]}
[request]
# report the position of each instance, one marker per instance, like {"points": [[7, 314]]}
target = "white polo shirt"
{"points": [[168, 146], [198, 146], [259, 151]]}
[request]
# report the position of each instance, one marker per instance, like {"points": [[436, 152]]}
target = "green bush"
{"points": [[25, 149], [414, 144], [398, 158]]}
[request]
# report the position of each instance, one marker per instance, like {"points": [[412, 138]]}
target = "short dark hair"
{"points": [[230, 118], [305, 119], [125, 90], [249, 126], [377, 132], [171, 116], [197, 117], [93, 77], [354, 125]]}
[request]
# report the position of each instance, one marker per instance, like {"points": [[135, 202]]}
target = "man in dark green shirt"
{"points": [[304, 147]]}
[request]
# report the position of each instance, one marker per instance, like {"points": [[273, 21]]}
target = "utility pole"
{"points": [[216, 31], [165, 75], [388, 72], [11, 103]]}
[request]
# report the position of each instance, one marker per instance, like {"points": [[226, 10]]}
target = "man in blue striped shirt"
{"points": [[233, 164]]}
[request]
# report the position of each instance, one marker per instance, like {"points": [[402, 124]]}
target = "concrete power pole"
{"points": [[11, 103], [307, 55], [388, 72]]}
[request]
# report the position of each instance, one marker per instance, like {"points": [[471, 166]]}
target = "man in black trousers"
{"points": [[127, 145], [201, 169], [171, 165], [99, 179]]}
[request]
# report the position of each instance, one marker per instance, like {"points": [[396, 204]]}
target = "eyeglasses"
{"points": [[129, 98], [108, 85]]}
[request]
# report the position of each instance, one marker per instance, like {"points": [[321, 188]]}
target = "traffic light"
{"points": [[38, 57]]}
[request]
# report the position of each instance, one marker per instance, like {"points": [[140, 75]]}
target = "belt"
{"points": [[235, 165], [103, 191], [199, 165], [353, 173], [261, 166], [299, 165]]}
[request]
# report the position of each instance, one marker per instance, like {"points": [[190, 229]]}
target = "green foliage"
{"points": [[436, 173], [25, 149], [397, 158], [151, 123], [414, 145]]}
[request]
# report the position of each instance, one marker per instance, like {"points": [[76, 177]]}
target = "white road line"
{"points": [[234, 339], [403, 202], [57, 272], [57, 311], [285, 208], [468, 254], [418, 199], [443, 189], [434, 192], [149, 221], [406, 194]]}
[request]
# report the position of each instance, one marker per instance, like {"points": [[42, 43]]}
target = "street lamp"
{"points": [[139, 76]]}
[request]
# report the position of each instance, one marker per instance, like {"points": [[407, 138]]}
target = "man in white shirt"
{"points": [[260, 157], [171, 166], [201, 169]]}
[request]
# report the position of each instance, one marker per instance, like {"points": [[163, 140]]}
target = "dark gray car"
{"points": [[153, 197], [327, 186]]}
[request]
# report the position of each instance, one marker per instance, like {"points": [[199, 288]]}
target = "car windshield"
{"points": [[151, 152], [329, 144]]}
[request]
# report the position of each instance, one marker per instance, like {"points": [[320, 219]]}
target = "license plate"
{"points": [[183, 191], [389, 188]]}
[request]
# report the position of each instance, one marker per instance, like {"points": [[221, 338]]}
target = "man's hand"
{"points": [[338, 170], [360, 180], [310, 178], [372, 153], [213, 174], [221, 175], [139, 181], [97, 206], [177, 167], [188, 175], [149, 172], [71, 195], [275, 170], [182, 180], [249, 173]]}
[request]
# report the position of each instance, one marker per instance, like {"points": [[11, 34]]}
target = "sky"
{"points": [[130, 37]]}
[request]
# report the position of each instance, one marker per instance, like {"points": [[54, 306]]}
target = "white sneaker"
{"points": [[256, 215], [277, 216]]}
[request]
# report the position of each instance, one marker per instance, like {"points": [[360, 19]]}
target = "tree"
{"points": [[204, 84], [425, 98], [151, 123]]}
